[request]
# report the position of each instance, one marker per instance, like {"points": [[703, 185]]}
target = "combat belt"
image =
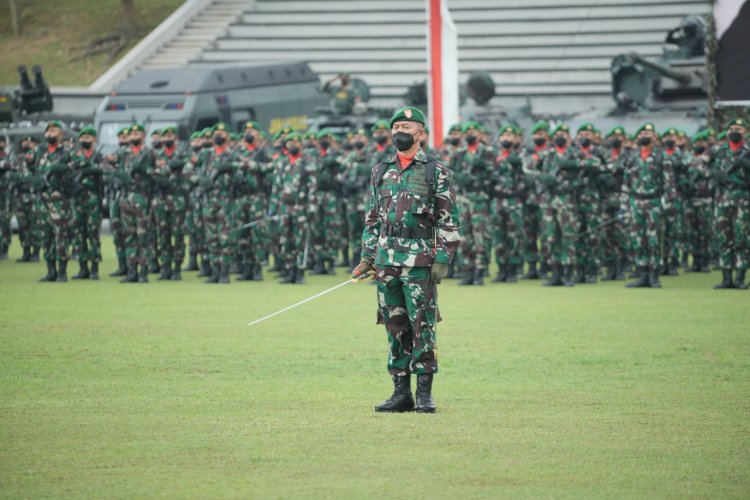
{"points": [[405, 232]]}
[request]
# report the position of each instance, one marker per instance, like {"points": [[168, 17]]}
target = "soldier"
{"points": [[381, 142], [699, 203], [344, 97], [54, 182], [730, 170], [155, 141], [115, 178], [291, 199], [648, 189], [6, 170], [252, 202], [326, 224], [193, 215], [509, 189], [411, 234], [451, 144], [614, 242], [24, 164], [135, 207], [472, 170], [354, 185], [87, 206], [673, 244], [533, 157]]}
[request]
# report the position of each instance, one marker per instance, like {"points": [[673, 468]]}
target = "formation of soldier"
{"points": [[563, 206]]}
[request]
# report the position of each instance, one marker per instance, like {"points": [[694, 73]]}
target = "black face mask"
{"points": [[471, 140], [26, 148], [615, 143], [347, 146], [561, 140], [220, 140], [87, 145], [51, 139], [669, 143], [585, 142], [539, 141], [168, 144], [644, 141], [734, 136], [197, 147], [249, 138], [135, 142], [454, 141], [206, 144], [325, 143], [506, 144], [156, 144], [381, 139], [294, 150], [699, 149], [359, 144], [403, 141]]}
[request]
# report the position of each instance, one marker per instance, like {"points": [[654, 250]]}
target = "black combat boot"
{"points": [[684, 261], [247, 272], [223, 273], [143, 274], [94, 271], [235, 267], [620, 275], [567, 276], [532, 273], [401, 400], [674, 266], [664, 268], [177, 272], [345, 262], [34, 254], [215, 272], [451, 271], [83, 271], [289, 276], [739, 281], [205, 269], [257, 272], [580, 276], [556, 277], [132, 275], [51, 272], [165, 273], [502, 274], [653, 279], [705, 265], [26, 257], [591, 275], [642, 281], [62, 271], [696, 267], [154, 267], [611, 272], [512, 274], [299, 276], [330, 268], [424, 394], [478, 278], [122, 269], [319, 267], [468, 278], [543, 270], [192, 263], [726, 282]]}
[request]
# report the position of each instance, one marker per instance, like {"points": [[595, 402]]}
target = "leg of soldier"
{"points": [[468, 245], [143, 233], [241, 240], [741, 235], [593, 245], [211, 254], [515, 240], [23, 217], [118, 236], [259, 236], [225, 249], [551, 237], [60, 216], [481, 231], [161, 207], [301, 246], [317, 237], [704, 219], [127, 218], [353, 226], [725, 235], [654, 224], [333, 225], [530, 237], [285, 237]]}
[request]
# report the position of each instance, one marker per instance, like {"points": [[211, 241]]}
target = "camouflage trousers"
{"points": [[407, 306], [5, 214], [614, 240], [587, 245], [169, 217], [252, 243], [733, 229], [57, 230], [507, 231], [532, 230], [355, 223], [39, 221], [217, 219], [115, 225], [293, 237], [87, 217], [327, 226], [674, 231], [476, 241], [559, 227], [698, 223], [136, 221], [195, 227], [645, 227], [27, 230]]}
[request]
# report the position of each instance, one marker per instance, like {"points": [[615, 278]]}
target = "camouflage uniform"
{"points": [[674, 225], [169, 206], [115, 179], [6, 179], [614, 251], [533, 208], [405, 232], [509, 191], [326, 223], [194, 212], [135, 211], [357, 170], [589, 212], [699, 211], [87, 206], [56, 195], [24, 165]]}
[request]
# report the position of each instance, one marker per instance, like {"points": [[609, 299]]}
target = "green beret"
{"points": [[540, 125], [221, 127], [470, 125], [251, 125], [207, 132], [234, 137], [721, 136], [359, 131], [648, 127], [701, 135], [681, 133], [53, 123], [669, 131], [455, 128], [326, 132], [736, 121], [616, 130], [310, 135], [156, 131], [87, 131], [123, 131], [509, 127], [169, 130], [137, 127], [195, 135], [407, 114], [293, 136], [586, 127], [561, 128], [283, 130], [380, 125]]}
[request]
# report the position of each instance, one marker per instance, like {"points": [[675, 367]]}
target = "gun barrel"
{"points": [[668, 72]]}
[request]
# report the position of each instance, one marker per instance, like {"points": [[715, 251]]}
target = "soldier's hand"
{"points": [[363, 269], [438, 272], [719, 176]]}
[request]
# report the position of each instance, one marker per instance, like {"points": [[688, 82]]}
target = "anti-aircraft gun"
{"points": [[30, 98]]}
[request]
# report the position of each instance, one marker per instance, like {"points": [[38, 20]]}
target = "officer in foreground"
{"points": [[411, 235]]}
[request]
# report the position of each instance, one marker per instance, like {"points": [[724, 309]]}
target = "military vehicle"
{"points": [[29, 99], [275, 94]]}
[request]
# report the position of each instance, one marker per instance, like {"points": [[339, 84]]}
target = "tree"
{"points": [[113, 43], [15, 18]]}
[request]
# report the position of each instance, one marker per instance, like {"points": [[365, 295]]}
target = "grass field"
{"points": [[161, 390]]}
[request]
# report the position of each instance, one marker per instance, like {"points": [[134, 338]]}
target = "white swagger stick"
{"points": [[352, 280]]}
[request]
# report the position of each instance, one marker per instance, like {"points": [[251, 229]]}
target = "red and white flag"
{"points": [[442, 68], [733, 56]]}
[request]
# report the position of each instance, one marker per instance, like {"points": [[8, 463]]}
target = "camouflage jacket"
{"points": [[472, 169], [732, 173], [650, 177], [291, 194], [508, 178], [563, 171], [57, 174], [218, 171], [139, 164], [254, 166], [355, 176], [170, 174], [699, 176], [88, 174], [401, 199]]}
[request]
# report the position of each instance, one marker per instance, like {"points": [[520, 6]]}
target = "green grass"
{"points": [[110, 390], [56, 31]]}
